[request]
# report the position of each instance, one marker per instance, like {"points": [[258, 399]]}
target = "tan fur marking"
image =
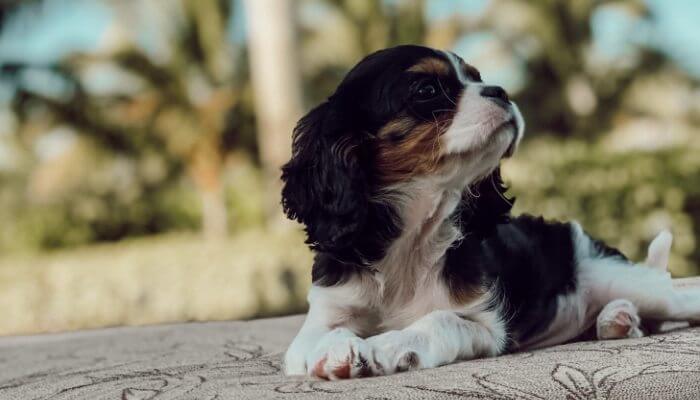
{"points": [[401, 124], [418, 152], [431, 65]]}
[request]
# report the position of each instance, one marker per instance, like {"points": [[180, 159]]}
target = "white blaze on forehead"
{"points": [[456, 66]]}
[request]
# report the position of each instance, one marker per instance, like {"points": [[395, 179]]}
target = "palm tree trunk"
{"points": [[276, 80], [205, 169]]}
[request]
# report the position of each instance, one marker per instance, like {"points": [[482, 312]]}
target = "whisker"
{"points": [[445, 93], [441, 124], [475, 194], [498, 190], [435, 151]]}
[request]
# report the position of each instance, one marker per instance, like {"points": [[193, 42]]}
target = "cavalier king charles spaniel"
{"points": [[418, 261]]}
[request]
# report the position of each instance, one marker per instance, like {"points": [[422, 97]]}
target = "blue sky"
{"points": [[679, 30], [53, 29], [64, 25]]}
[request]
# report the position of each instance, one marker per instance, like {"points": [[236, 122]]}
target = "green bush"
{"points": [[90, 196], [89, 217]]}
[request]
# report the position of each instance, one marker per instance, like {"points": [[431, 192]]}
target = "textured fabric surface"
{"points": [[242, 360]]}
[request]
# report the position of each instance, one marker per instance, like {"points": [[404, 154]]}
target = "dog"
{"points": [[418, 260]]}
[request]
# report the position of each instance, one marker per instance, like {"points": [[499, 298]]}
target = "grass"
{"points": [[161, 279]]}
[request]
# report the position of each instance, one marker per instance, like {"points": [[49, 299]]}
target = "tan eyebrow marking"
{"points": [[430, 65], [402, 124]]}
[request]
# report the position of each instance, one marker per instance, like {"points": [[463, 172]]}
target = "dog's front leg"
{"points": [[327, 346], [314, 328], [440, 337]]}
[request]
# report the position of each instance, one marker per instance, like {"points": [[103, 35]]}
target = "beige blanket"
{"points": [[242, 360]]}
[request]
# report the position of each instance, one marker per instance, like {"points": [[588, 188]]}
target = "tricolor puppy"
{"points": [[418, 260]]}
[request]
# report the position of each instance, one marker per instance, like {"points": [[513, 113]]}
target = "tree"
{"points": [[566, 93], [179, 112], [276, 79]]}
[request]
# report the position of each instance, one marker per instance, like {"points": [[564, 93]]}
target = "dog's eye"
{"points": [[426, 92]]}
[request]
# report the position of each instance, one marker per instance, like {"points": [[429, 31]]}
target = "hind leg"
{"points": [[618, 320], [648, 287]]}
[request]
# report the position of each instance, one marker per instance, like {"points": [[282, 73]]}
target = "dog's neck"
{"points": [[425, 210], [434, 216], [426, 206]]}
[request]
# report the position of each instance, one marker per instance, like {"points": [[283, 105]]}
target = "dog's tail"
{"points": [[682, 302], [687, 288], [660, 251]]}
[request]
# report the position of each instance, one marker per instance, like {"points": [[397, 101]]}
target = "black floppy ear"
{"points": [[325, 187]]}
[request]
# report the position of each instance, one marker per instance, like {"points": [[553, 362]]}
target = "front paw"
{"points": [[342, 355], [400, 351]]}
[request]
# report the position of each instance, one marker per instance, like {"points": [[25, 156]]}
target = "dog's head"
{"points": [[401, 115]]}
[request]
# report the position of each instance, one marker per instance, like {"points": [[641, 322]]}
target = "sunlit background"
{"points": [[140, 141]]}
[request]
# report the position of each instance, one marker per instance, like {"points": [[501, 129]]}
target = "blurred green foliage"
{"points": [[93, 217], [93, 206]]}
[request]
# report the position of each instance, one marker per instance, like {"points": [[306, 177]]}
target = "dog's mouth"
{"points": [[511, 147], [510, 125]]}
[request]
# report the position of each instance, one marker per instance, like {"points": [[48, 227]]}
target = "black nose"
{"points": [[496, 94]]}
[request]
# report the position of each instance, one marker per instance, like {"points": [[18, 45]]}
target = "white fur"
{"points": [[438, 337], [441, 337], [520, 123], [456, 67]]}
